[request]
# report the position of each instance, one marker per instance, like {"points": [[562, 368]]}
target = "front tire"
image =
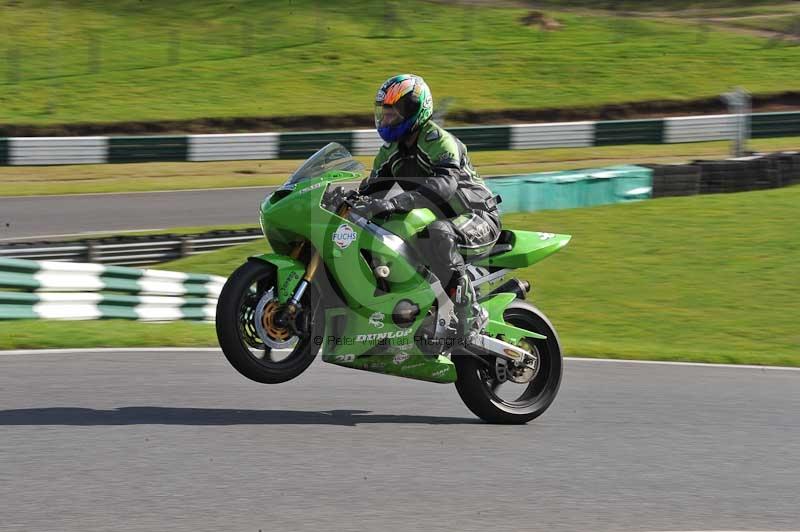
{"points": [[238, 334], [477, 383]]}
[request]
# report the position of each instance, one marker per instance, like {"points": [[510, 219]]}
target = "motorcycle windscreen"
{"points": [[331, 157]]}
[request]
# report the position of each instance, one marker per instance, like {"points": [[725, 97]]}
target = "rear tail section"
{"points": [[526, 248]]}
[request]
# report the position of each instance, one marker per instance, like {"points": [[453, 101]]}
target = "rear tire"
{"points": [[474, 384], [236, 330]]}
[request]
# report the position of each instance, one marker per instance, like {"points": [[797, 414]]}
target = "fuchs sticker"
{"points": [[546, 236], [343, 236], [402, 357], [376, 320]]}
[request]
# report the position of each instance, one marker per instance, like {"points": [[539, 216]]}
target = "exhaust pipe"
{"points": [[517, 287]]}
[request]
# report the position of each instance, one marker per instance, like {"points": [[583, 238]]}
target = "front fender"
{"points": [[288, 270], [496, 306]]}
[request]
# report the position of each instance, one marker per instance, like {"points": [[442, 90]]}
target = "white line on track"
{"points": [[106, 350], [667, 363], [100, 350]]}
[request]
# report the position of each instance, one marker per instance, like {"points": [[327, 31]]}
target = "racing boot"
{"points": [[470, 315]]}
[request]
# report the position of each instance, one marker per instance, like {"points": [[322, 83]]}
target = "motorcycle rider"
{"points": [[434, 170]]}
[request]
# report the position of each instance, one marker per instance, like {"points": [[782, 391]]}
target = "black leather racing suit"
{"points": [[436, 173]]}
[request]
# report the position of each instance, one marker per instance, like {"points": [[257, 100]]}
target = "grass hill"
{"points": [[91, 61]]}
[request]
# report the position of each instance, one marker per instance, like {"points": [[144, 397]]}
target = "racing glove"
{"points": [[378, 208]]}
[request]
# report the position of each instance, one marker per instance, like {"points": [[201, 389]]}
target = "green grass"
{"points": [[221, 262], [667, 6], [710, 278], [704, 279], [147, 177], [46, 334], [140, 177], [99, 61], [789, 24]]}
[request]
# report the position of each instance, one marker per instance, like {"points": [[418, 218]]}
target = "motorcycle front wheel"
{"points": [[247, 333], [495, 399]]}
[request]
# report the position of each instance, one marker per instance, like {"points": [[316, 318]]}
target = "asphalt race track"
{"points": [[51, 217], [47, 216], [179, 441]]}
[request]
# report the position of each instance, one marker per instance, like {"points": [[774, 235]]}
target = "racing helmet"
{"points": [[402, 105]]}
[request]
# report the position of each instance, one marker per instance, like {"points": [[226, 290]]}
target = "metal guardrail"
{"points": [[129, 250]]}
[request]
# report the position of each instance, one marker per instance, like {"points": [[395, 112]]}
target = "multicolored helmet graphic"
{"points": [[402, 105]]}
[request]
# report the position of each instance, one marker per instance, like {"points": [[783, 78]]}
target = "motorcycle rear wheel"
{"points": [[477, 382], [238, 334]]}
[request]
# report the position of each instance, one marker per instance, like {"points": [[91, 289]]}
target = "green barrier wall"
{"points": [[629, 132], [484, 138], [300, 145], [768, 125], [567, 190], [303, 145], [147, 149]]}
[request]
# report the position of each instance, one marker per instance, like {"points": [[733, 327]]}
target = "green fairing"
{"points": [[420, 367], [361, 333], [529, 247], [289, 272], [353, 275], [496, 306], [407, 225]]}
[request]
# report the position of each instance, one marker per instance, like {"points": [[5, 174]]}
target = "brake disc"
{"points": [[522, 373], [272, 336]]}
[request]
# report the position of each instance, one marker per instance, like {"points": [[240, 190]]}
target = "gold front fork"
{"points": [[311, 269]]}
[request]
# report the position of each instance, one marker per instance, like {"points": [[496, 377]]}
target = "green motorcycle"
{"points": [[356, 289]]}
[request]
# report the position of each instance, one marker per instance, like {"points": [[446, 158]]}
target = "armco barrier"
{"points": [[236, 147], [58, 150], [145, 149], [299, 145], [4, 151], [129, 250], [76, 291]]}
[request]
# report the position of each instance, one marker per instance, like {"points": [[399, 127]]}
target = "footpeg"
{"points": [[480, 318]]}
